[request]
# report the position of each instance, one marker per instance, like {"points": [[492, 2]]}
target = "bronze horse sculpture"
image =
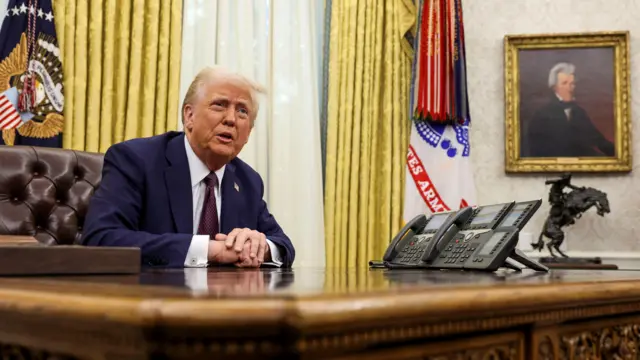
{"points": [[565, 209]]}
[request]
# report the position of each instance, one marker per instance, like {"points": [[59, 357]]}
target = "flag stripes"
{"points": [[9, 115]]}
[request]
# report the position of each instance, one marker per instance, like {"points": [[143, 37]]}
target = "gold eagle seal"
{"points": [[45, 64]]}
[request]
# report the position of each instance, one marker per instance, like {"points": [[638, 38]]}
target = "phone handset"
{"points": [[448, 230], [416, 224]]}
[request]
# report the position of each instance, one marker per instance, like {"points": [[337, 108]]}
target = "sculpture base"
{"points": [[576, 263]]}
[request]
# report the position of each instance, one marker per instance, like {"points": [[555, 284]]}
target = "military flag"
{"points": [[439, 174], [30, 62]]}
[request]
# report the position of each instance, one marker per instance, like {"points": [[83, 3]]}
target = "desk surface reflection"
{"points": [[232, 282], [316, 281]]}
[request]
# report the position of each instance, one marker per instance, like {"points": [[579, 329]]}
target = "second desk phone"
{"points": [[482, 238]]}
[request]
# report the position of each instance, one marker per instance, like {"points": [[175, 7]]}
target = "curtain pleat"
{"points": [[367, 130], [162, 70], [135, 66], [108, 100], [175, 56], [122, 69], [94, 91]]}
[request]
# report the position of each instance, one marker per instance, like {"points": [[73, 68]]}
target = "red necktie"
{"points": [[209, 216]]}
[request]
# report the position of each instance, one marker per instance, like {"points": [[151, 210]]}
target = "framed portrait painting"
{"points": [[567, 105]]}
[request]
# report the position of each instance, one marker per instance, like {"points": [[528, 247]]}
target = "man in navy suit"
{"points": [[185, 199]]}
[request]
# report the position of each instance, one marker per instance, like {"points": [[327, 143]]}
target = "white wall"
{"points": [[486, 24]]}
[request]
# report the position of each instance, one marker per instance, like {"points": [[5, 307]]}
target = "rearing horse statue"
{"points": [[565, 209]]}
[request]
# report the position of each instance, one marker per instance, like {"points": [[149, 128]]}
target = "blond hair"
{"points": [[209, 74]]}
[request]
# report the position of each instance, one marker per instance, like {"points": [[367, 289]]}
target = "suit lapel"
{"points": [[178, 181], [231, 199]]}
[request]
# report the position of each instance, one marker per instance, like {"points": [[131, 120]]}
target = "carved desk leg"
{"points": [[615, 338]]}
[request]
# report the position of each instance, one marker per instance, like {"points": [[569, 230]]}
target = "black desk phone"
{"points": [[482, 238]]}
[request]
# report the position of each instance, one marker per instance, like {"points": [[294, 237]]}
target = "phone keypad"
{"points": [[457, 252], [413, 250]]}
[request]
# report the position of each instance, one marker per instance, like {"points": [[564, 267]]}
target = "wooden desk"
{"points": [[322, 314]]}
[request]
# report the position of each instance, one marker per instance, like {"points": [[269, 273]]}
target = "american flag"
{"points": [[9, 116]]}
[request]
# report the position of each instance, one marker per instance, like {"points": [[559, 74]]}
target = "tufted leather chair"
{"points": [[45, 192]]}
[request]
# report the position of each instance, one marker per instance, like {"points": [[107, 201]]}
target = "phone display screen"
{"points": [[488, 246], [514, 214], [486, 214], [436, 221]]}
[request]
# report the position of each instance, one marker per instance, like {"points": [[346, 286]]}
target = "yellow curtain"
{"points": [[121, 61], [367, 128]]}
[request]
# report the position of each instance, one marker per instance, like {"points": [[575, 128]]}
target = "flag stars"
{"points": [[23, 9]]}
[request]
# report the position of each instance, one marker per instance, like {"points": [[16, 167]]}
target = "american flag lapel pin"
{"points": [[235, 186]]}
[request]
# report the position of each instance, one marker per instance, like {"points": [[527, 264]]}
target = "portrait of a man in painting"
{"points": [[574, 115], [567, 102]]}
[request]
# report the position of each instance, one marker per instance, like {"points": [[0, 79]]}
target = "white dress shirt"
{"points": [[197, 279], [197, 255], [567, 112]]}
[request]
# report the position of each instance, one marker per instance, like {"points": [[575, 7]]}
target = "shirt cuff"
{"points": [[198, 253], [276, 257]]}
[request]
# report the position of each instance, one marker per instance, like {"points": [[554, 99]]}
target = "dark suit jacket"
{"points": [[145, 201], [550, 134]]}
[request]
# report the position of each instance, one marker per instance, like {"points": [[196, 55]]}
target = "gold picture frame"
{"points": [[555, 86]]}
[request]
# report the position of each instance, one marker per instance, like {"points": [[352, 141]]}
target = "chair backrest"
{"points": [[45, 192]]}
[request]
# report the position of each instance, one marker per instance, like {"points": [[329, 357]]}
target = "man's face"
{"points": [[565, 86], [218, 122]]}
